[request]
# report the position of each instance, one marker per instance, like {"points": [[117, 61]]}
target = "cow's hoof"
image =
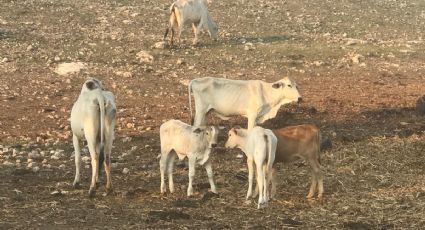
{"points": [[92, 192], [76, 185], [109, 191], [310, 196]]}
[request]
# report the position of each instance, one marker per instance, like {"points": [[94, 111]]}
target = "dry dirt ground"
{"points": [[359, 65]]}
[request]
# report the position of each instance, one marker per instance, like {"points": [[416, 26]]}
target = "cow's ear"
{"points": [[234, 131], [277, 85], [90, 85], [197, 130]]}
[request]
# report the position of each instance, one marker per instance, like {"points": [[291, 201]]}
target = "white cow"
{"points": [[190, 12], [93, 118], [257, 100], [186, 141], [259, 146]]}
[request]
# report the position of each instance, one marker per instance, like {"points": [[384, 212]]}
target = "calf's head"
{"points": [[210, 134], [288, 90], [233, 138]]}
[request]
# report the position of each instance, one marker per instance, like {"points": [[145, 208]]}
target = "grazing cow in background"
{"points": [[190, 12], [186, 141], [93, 118], [257, 100], [259, 146], [301, 141]]}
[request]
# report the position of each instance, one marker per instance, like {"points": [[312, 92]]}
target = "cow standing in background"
{"points": [[190, 12]]}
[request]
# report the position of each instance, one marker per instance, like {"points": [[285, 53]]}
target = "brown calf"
{"points": [[301, 141]]}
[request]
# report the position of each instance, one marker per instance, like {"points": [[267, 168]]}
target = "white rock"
{"points": [[36, 169], [7, 163], [30, 47], [69, 68], [239, 156], [31, 164], [133, 149], [44, 161], [125, 171], [29, 160], [124, 74], [62, 166], [144, 57], [18, 161], [86, 159], [160, 45], [34, 154]]}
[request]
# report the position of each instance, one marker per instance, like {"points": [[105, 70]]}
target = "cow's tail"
{"points": [[101, 101], [189, 87], [270, 153], [317, 143]]}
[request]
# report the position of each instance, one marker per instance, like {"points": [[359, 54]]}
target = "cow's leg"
{"points": [[250, 163], [76, 143], [252, 121], [192, 161], [210, 174], [197, 30], [107, 162], [94, 163], [273, 183], [162, 168], [200, 113], [265, 180], [170, 165], [260, 182]]}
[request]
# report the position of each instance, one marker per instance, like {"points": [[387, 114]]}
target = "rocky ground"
{"points": [[359, 66]]}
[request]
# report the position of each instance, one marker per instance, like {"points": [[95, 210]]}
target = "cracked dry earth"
{"points": [[359, 66]]}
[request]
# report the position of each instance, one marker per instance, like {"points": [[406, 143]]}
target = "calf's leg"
{"points": [[250, 163], [170, 165], [192, 161], [210, 174]]}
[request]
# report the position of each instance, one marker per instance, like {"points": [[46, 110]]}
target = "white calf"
{"points": [[191, 12], [93, 118], [186, 141], [259, 146]]}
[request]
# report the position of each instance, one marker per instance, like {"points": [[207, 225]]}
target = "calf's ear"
{"points": [[197, 130]]}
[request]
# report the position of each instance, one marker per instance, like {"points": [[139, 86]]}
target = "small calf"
{"points": [[186, 141], [301, 141], [259, 146], [190, 12], [93, 118]]}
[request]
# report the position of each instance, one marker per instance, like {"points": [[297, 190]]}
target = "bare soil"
{"points": [[359, 66]]}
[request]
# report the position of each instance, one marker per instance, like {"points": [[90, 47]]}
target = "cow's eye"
{"points": [[290, 86]]}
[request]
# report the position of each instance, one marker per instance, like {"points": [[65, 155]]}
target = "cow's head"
{"points": [[210, 133], [91, 84], [288, 90], [233, 137], [213, 30]]}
